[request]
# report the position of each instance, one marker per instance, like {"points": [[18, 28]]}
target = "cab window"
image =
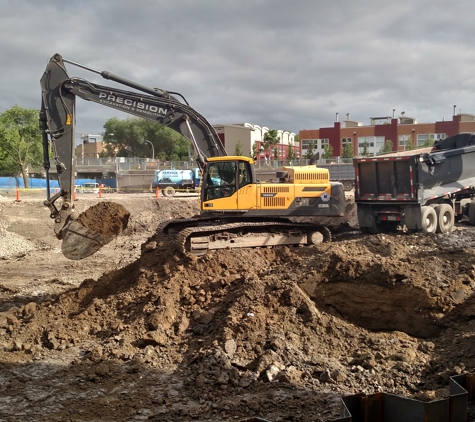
{"points": [[221, 180], [244, 173]]}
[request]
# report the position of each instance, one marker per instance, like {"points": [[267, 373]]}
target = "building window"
{"points": [[429, 138], [345, 142], [374, 143], [405, 140], [309, 143]]}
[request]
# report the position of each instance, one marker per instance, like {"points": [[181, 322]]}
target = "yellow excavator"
{"points": [[237, 210]]}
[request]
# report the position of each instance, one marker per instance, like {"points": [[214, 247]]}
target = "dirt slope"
{"points": [[140, 332]]}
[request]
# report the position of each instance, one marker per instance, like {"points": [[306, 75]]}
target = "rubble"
{"points": [[140, 332]]}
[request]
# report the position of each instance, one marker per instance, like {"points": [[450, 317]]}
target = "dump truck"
{"points": [[424, 190], [341, 172]]}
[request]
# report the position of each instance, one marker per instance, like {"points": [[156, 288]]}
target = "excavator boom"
{"points": [[82, 237]]}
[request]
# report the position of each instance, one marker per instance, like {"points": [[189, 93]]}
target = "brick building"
{"points": [[401, 131], [90, 147]]}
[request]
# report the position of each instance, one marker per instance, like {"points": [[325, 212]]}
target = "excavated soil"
{"points": [[107, 218], [138, 331]]}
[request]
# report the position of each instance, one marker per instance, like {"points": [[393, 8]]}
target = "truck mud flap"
{"points": [[385, 407]]}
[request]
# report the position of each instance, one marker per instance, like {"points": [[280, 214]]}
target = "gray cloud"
{"points": [[280, 64]]}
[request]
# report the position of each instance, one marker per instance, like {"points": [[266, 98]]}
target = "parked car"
{"points": [[90, 188]]}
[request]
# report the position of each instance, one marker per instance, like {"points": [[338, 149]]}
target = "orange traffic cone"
{"points": [[156, 192], [17, 195]]}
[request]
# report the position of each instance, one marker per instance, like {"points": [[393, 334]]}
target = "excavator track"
{"points": [[197, 240]]}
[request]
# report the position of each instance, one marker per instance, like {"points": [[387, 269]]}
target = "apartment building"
{"points": [[401, 131]]}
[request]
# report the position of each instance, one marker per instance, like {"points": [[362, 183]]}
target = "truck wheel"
{"points": [[347, 186], [168, 192], [445, 218], [429, 219], [471, 213]]}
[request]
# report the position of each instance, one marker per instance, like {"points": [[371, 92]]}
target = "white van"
{"points": [[90, 188]]}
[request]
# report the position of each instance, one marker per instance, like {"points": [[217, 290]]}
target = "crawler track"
{"points": [[198, 236]]}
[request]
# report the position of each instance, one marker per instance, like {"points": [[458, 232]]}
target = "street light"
{"points": [[153, 149]]}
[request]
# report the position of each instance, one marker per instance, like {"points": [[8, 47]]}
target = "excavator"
{"points": [[236, 209]]}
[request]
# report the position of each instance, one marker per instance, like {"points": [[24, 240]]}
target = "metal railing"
{"points": [[118, 164]]}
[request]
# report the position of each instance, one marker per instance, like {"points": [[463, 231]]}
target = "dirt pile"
{"points": [[279, 333], [107, 218]]}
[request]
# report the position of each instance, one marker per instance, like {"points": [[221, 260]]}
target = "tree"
{"points": [[428, 142], [365, 151], [20, 141], [310, 150], [291, 154], [347, 151], [124, 138], [327, 151], [410, 145], [387, 147], [254, 151], [271, 139], [238, 149]]}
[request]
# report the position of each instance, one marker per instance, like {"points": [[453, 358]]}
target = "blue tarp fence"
{"points": [[37, 183]]}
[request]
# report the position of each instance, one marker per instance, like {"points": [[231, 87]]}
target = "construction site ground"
{"points": [[138, 331]]}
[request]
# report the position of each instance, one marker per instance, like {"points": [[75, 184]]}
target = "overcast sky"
{"points": [[283, 64]]}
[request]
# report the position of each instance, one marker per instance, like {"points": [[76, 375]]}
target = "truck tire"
{"points": [[168, 192], [347, 186], [428, 219], [471, 212], [445, 218]]}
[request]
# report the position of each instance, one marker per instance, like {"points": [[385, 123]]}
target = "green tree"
{"points": [[124, 138], [327, 151], [291, 154], [410, 145], [310, 150], [20, 141], [271, 139], [347, 151], [254, 151], [429, 142], [238, 149], [387, 148], [365, 151]]}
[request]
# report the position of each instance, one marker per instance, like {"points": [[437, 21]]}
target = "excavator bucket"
{"points": [[93, 229]]}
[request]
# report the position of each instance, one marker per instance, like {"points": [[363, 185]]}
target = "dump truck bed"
{"points": [[414, 176]]}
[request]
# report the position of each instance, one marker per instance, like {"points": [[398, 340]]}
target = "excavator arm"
{"points": [[57, 122], [60, 90]]}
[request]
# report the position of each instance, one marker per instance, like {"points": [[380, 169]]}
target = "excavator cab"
{"points": [[224, 176]]}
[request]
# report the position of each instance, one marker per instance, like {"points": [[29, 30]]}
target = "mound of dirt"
{"points": [[107, 218], [277, 333]]}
